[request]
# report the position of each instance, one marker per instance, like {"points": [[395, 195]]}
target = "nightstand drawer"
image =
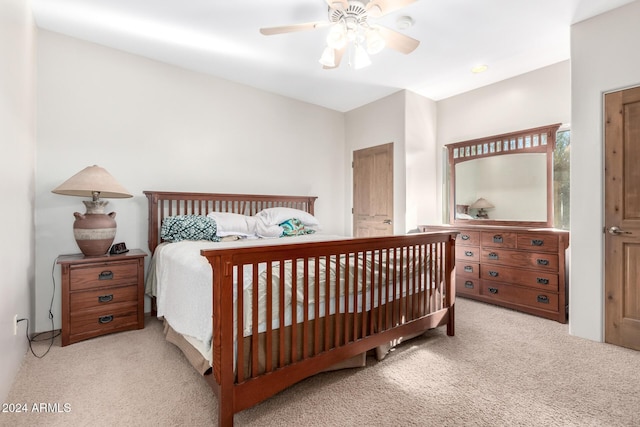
{"points": [[104, 319], [104, 275], [102, 297]]}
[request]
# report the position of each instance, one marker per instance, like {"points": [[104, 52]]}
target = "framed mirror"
{"points": [[503, 179]]}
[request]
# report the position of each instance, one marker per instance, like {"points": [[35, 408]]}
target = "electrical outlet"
{"points": [[15, 324]]}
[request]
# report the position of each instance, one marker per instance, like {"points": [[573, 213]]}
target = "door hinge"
{"points": [[352, 164]]}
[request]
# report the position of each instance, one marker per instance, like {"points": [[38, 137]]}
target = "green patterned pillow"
{"points": [[294, 227], [188, 227]]}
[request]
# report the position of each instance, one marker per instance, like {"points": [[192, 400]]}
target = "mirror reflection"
{"points": [[510, 187]]}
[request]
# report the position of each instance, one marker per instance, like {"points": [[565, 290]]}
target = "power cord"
{"points": [[53, 333]]}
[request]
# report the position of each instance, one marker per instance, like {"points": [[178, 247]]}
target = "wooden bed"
{"points": [[381, 289]]}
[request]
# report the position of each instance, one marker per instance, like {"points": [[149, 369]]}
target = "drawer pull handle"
{"points": [[537, 242], [468, 253], [493, 290], [543, 299], [105, 298], [494, 274], [468, 284], [105, 319], [493, 255], [543, 261], [542, 281], [468, 269], [465, 237], [105, 275], [497, 238]]}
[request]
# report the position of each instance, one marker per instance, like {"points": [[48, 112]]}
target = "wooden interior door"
{"points": [[373, 191], [622, 218]]}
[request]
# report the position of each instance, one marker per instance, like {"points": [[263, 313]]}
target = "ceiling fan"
{"points": [[350, 28]]}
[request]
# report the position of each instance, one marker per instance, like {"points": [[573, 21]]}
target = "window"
{"points": [[561, 168]]}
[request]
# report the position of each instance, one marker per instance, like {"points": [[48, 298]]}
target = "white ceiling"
{"points": [[221, 38]]}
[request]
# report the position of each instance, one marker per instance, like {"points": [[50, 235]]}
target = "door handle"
{"points": [[386, 221], [616, 231]]}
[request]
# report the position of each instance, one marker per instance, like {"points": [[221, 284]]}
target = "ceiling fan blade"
{"points": [[378, 8], [269, 31], [339, 53], [398, 41], [338, 4]]}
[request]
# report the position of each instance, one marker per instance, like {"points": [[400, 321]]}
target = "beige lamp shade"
{"points": [[91, 180], [481, 203]]}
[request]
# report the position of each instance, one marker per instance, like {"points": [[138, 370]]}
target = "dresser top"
{"points": [[82, 259], [505, 228]]}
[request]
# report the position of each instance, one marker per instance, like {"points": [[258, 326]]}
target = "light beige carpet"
{"points": [[502, 368]]}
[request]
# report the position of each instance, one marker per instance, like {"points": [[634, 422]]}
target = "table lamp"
{"points": [[94, 230], [481, 204]]}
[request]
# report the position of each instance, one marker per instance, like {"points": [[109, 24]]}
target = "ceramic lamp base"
{"points": [[94, 231]]}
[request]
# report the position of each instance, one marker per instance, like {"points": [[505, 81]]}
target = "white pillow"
{"points": [[233, 224], [266, 231], [275, 216], [460, 215]]}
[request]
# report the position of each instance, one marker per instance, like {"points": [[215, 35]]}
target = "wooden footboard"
{"points": [[345, 297]]}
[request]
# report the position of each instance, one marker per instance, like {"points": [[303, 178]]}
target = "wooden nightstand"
{"points": [[101, 294]]}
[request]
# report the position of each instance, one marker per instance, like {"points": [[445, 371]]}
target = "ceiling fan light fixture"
{"points": [[375, 42], [337, 36], [360, 58], [328, 58]]}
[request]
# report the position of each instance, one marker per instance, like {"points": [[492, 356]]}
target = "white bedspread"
{"points": [[183, 281], [184, 286]]}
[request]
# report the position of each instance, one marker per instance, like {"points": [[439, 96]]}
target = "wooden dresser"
{"points": [[101, 295], [515, 267]]}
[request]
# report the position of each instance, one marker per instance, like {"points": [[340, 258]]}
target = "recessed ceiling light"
{"points": [[404, 22], [479, 69]]}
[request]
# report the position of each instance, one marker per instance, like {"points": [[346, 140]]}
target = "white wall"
{"points": [[604, 59], [377, 123], [538, 98], [407, 120], [158, 127], [421, 161], [17, 162]]}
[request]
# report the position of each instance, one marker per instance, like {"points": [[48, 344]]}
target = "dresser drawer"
{"points": [[541, 261], [535, 279], [102, 297], [499, 239], [468, 238], [467, 285], [103, 275], [518, 295], [104, 319], [468, 269], [538, 242], [468, 253]]}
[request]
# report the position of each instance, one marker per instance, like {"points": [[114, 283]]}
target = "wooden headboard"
{"points": [[163, 204]]}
